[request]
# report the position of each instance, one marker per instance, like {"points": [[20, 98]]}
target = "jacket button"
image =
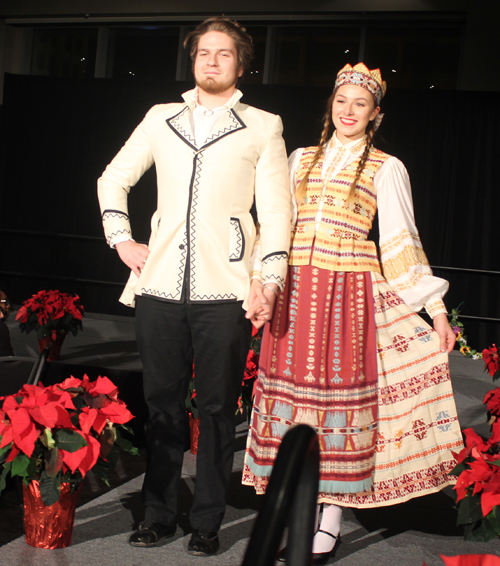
{"points": [[181, 247]]}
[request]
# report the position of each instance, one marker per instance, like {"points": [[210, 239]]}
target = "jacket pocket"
{"points": [[236, 240]]}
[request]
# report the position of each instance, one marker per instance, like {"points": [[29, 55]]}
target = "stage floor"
{"points": [[403, 535]]}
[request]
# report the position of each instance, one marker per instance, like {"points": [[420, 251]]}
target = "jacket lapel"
{"points": [[227, 124], [181, 125]]}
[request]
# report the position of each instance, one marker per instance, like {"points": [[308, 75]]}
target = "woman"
{"points": [[346, 352]]}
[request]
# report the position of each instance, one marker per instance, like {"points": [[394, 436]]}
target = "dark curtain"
{"points": [[58, 135]]}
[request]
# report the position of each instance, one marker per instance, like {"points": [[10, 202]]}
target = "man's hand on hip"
{"points": [[133, 255]]}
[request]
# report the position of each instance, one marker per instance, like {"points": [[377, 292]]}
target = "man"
{"points": [[5, 344], [213, 157]]}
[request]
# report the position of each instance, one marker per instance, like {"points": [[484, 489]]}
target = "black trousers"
{"points": [[170, 336]]}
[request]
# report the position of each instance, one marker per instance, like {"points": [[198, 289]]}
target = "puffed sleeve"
{"points": [[404, 263], [293, 167]]}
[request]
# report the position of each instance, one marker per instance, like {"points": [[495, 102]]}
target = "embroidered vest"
{"points": [[340, 242]]}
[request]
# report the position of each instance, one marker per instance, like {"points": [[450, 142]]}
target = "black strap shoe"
{"points": [[149, 534], [321, 558], [203, 543]]}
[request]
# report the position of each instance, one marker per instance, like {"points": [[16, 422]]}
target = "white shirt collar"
{"points": [[353, 145], [191, 98]]}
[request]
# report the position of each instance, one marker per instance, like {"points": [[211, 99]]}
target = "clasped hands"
{"points": [[261, 302]]}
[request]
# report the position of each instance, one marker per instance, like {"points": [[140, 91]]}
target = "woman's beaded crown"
{"points": [[360, 75]]}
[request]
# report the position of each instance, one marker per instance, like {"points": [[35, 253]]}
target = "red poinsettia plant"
{"points": [[251, 371], [51, 313], [478, 469], [491, 358], [59, 433]]}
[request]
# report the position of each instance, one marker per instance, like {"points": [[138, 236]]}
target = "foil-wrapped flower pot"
{"points": [[49, 526], [194, 425], [56, 345]]}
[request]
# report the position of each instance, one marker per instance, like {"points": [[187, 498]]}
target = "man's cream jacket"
{"points": [[202, 233]]}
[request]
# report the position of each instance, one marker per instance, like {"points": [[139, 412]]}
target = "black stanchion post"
{"points": [[295, 475]]}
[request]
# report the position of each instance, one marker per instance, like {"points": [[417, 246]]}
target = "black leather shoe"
{"points": [[321, 558], [149, 533], [203, 543]]}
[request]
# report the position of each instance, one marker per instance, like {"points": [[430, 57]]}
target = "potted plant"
{"points": [[51, 437], [52, 315], [478, 468]]}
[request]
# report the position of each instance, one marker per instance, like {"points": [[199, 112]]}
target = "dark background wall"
{"points": [[59, 134]]}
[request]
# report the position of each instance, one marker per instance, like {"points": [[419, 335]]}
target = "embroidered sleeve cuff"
{"points": [[274, 268], [116, 227], [435, 306]]}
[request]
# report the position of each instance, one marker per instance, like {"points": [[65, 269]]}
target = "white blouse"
{"points": [[403, 261]]}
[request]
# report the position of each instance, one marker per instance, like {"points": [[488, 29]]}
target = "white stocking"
{"points": [[330, 522]]}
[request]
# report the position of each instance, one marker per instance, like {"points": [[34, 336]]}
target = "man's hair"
{"points": [[242, 40]]}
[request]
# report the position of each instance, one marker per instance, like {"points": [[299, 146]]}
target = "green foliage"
{"points": [[69, 440], [20, 466], [101, 471], [494, 519], [3, 453], [3, 477], [50, 488], [125, 444], [482, 531], [469, 510], [53, 462]]}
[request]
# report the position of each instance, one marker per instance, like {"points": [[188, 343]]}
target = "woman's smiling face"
{"points": [[353, 108]]}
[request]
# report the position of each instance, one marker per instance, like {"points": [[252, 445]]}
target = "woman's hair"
{"points": [[242, 40], [328, 129]]}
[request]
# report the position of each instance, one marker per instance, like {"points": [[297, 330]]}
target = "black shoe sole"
{"points": [[139, 544]]}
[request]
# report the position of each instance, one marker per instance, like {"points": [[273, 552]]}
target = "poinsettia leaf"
{"points": [[40, 332], [494, 519], [106, 439], [47, 439], [126, 445], [33, 468], [69, 440], [458, 469], [101, 471], [4, 451], [20, 465], [3, 477], [469, 510], [482, 532], [127, 428], [50, 488], [113, 457], [53, 462]]}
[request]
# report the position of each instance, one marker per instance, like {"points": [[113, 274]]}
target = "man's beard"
{"points": [[211, 86]]}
